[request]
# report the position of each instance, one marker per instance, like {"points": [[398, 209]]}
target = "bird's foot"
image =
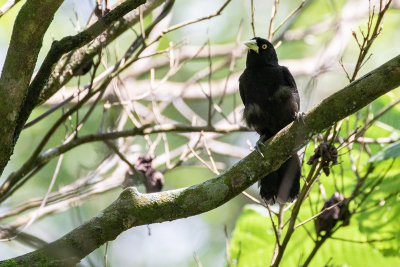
{"points": [[299, 116], [257, 147]]}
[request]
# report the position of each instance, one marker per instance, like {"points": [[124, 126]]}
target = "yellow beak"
{"points": [[252, 44]]}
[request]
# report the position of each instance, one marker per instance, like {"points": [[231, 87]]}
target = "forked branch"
{"points": [[133, 208]]}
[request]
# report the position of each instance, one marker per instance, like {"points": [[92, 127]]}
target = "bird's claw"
{"points": [[300, 116], [257, 147]]}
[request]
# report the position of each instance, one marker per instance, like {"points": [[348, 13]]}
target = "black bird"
{"points": [[271, 100]]}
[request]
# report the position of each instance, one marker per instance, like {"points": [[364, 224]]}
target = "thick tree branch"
{"points": [[133, 208], [19, 177], [30, 96], [19, 99], [30, 26]]}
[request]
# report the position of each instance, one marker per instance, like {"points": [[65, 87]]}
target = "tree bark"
{"points": [[30, 26], [132, 208], [17, 96]]}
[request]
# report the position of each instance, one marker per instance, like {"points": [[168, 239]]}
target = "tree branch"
{"points": [[62, 73], [57, 50], [133, 208], [30, 26]]}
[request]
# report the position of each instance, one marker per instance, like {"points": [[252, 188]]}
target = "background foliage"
{"points": [[314, 41]]}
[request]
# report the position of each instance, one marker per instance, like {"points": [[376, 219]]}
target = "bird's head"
{"points": [[261, 53]]}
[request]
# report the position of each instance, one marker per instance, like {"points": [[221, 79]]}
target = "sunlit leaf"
{"points": [[253, 242], [389, 152]]}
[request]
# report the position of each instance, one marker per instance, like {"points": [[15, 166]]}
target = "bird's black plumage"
{"points": [[269, 94]]}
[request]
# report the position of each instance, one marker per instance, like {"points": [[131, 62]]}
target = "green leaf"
{"points": [[253, 243], [391, 151], [253, 239]]}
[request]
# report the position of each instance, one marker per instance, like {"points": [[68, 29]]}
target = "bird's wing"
{"points": [[241, 89], [288, 77]]}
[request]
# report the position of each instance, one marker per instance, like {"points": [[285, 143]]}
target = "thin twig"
{"points": [[319, 213], [197, 260], [288, 17], [252, 19], [227, 254], [7, 6], [272, 19]]}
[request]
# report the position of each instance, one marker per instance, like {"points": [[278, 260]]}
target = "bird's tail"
{"points": [[282, 185]]}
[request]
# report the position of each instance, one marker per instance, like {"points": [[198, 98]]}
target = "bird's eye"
{"points": [[264, 46]]}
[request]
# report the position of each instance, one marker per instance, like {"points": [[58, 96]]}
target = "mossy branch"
{"points": [[133, 208], [21, 59], [29, 29]]}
